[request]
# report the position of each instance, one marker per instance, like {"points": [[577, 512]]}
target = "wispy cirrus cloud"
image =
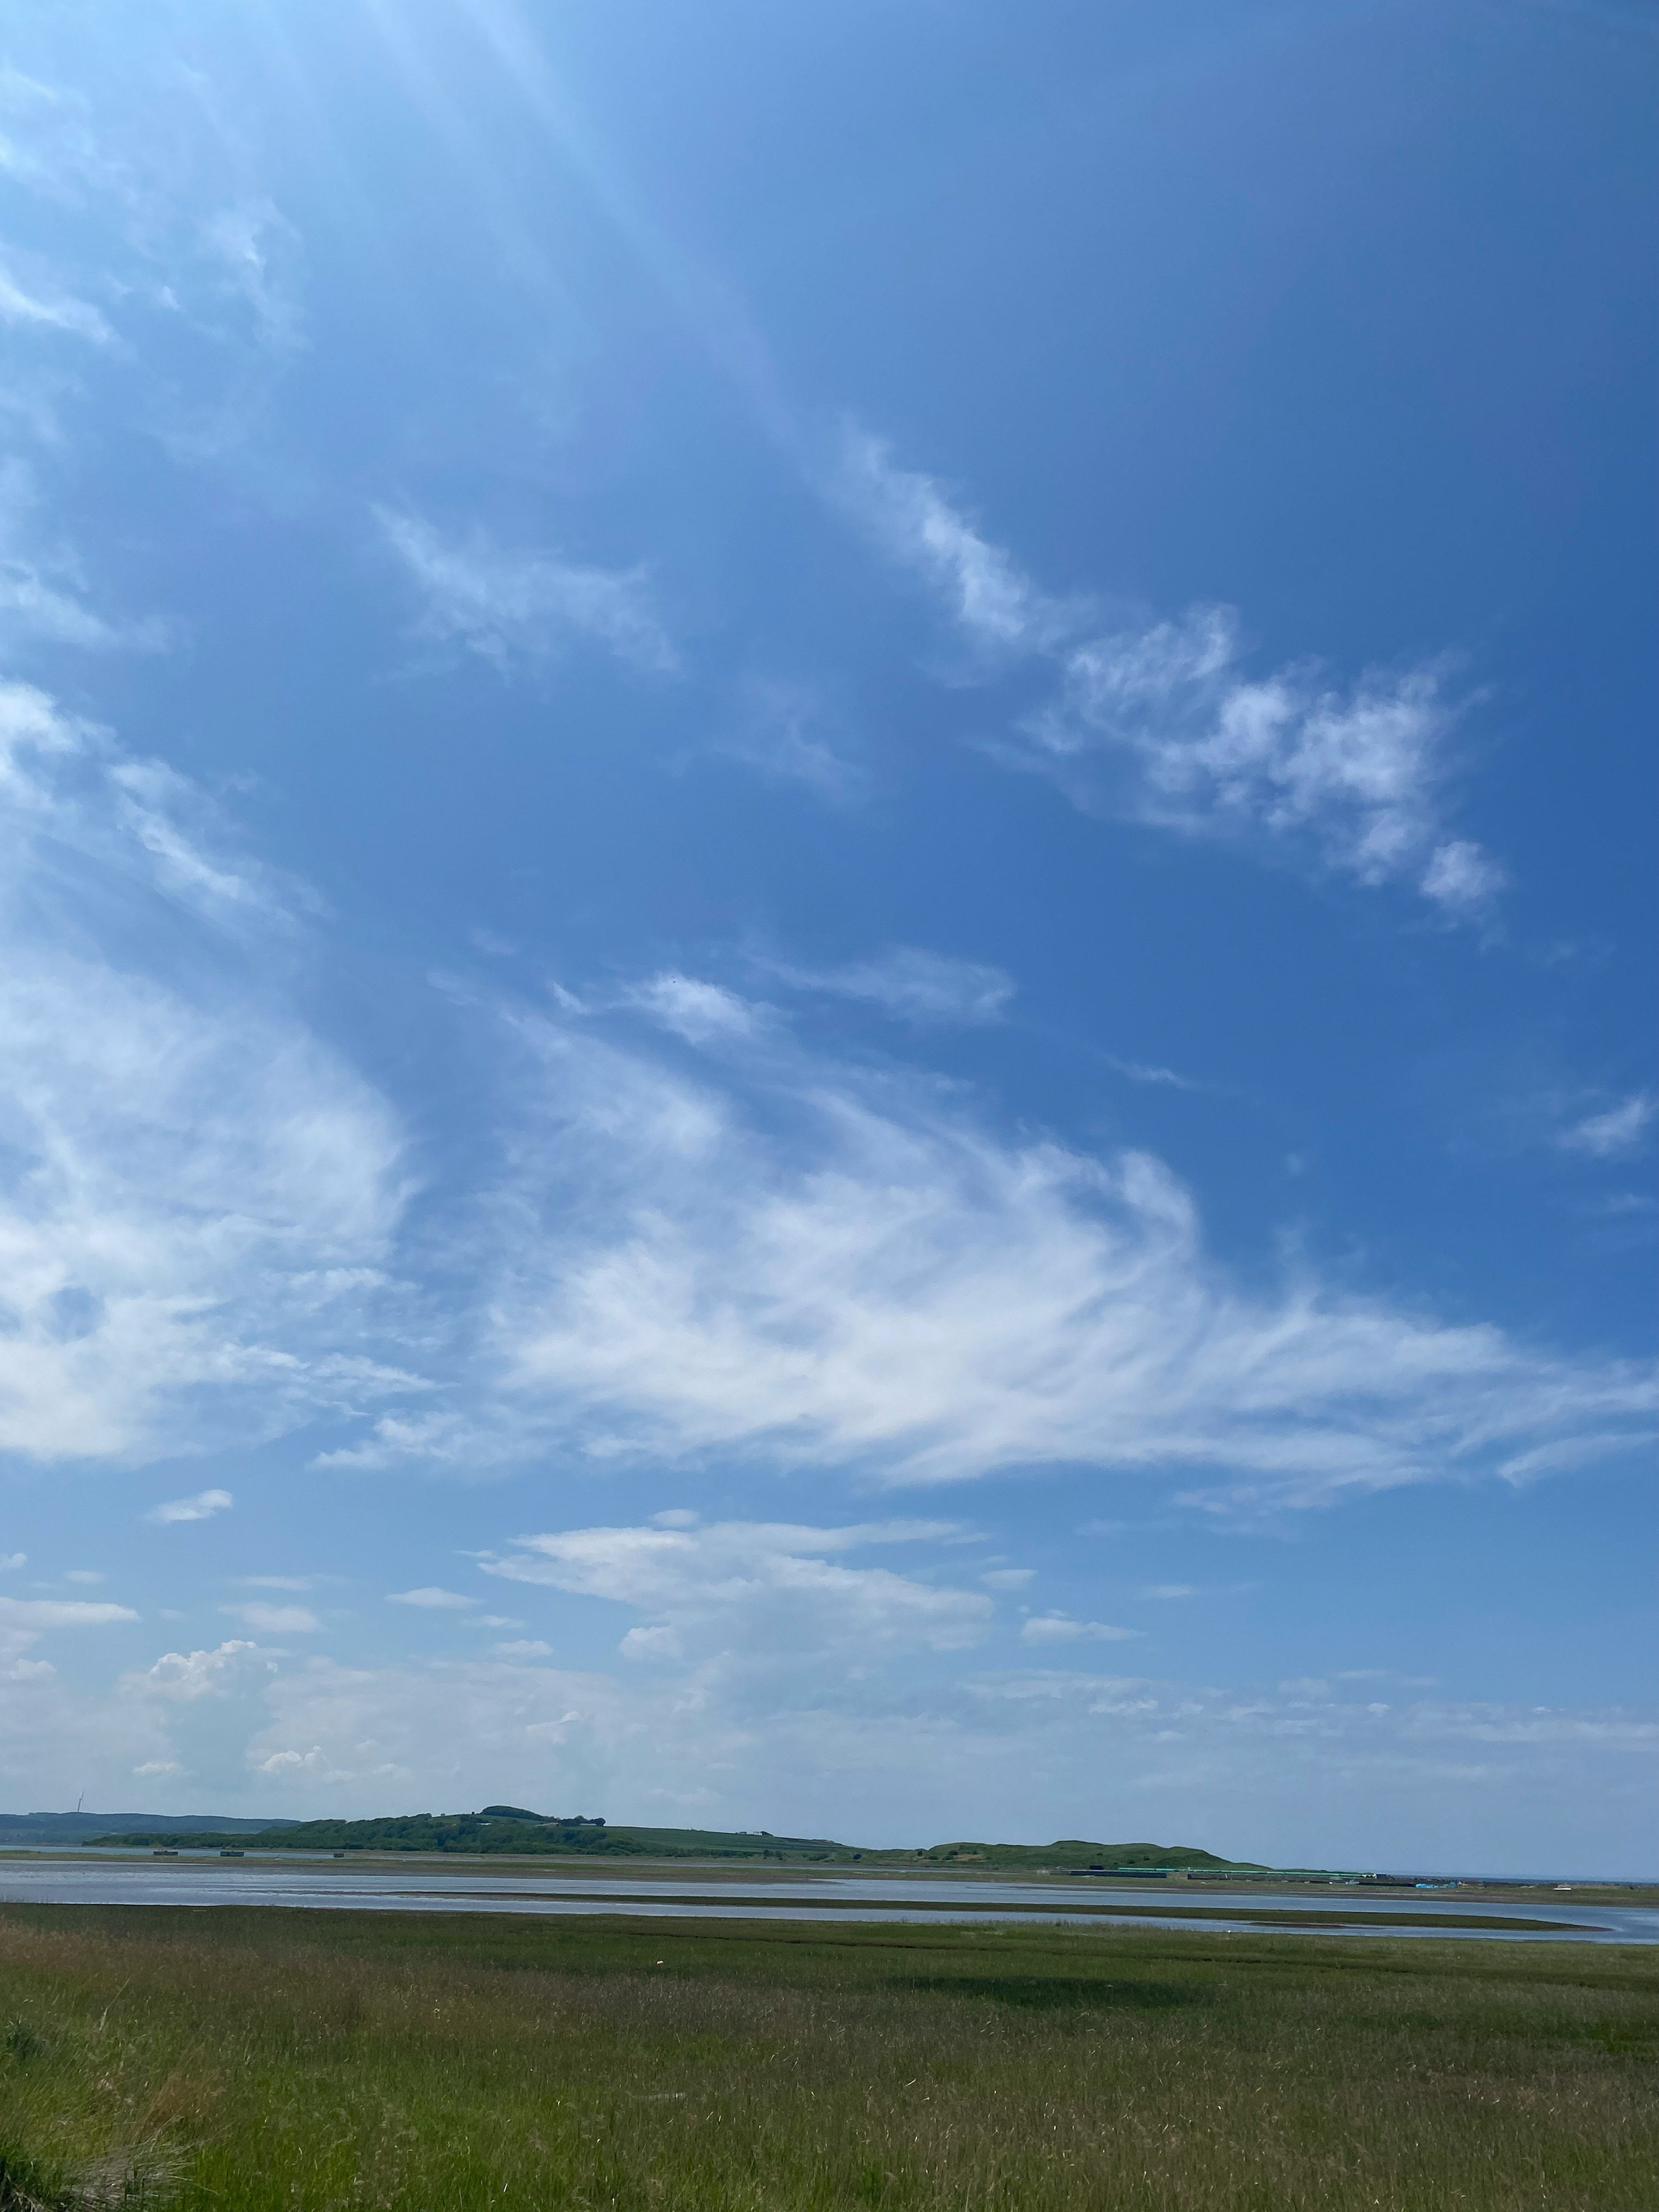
{"points": [[918, 527], [1061, 1628], [1164, 722], [913, 985], [786, 733], [46, 308], [507, 607], [275, 1620], [43, 589], [781, 1256], [205, 1193], [1615, 1132]]}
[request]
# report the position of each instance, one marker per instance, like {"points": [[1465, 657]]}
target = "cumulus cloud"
{"points": [[1351, 1778], [1165, 723], [184, 1677], [815, 1265], [506, 605], [749, 1582], [913, 985], [202, 1507], [1617, 1131]]}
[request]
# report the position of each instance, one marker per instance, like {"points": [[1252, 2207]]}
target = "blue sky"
{"points": [[829, 834]]}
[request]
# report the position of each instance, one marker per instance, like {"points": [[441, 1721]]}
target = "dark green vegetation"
{"points": [[512, 1833], [511, 1830], [235, 2061], [21, 1830], [1071, 1853]]}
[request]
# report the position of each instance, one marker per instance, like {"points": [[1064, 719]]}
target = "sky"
{"points": [[828, 856]]}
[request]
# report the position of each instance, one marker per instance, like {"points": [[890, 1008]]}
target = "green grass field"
{"points": [[251, 2060]]}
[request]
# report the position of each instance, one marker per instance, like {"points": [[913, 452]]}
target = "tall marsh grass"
{"points": [[252, 2061]]}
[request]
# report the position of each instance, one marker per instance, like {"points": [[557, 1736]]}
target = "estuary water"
{"points": [[313, 1886]]}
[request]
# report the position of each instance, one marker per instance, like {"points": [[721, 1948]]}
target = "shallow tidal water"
{"points": [[313, 1885]]}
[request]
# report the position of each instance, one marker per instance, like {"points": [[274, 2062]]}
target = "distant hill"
{"points": [[23, 1828], [510, 1830], [1079, 1856]]}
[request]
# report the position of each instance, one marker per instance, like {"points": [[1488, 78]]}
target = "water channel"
{"points": [[313, 1886]]}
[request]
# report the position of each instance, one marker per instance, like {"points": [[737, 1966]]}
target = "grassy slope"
{"points": [[255, 2060], [473, 1832]]}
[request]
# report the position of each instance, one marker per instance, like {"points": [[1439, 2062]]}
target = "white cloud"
{"points": [[746, 1582], [32, 1615], [913, 985], [915, 524], [1163, 723], [1171, 1590], [854, 1272], [158, 1766], [42, 586], [1615, 1133], [192, 1245], [503, 605], [1027, 1754], [183, 1678], [25, 1621], [700, 1012], [1061, 1628], [202, 1507], [256, 247], [1008, 1579], [275, 1620], [431, 1599], [84, 1575], [786, 734], [50, 311], [524, 1647], [9, 1561], [1462, 879]]}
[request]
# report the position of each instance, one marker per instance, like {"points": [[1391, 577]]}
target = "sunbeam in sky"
{"points": [[826, 857]]}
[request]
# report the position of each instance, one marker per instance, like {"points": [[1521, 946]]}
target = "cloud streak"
{"points": [[772, 1586], [202, 1507], [509, 606]]}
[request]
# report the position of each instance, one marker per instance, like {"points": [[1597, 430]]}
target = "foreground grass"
{"points": [[246, 2060]]}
